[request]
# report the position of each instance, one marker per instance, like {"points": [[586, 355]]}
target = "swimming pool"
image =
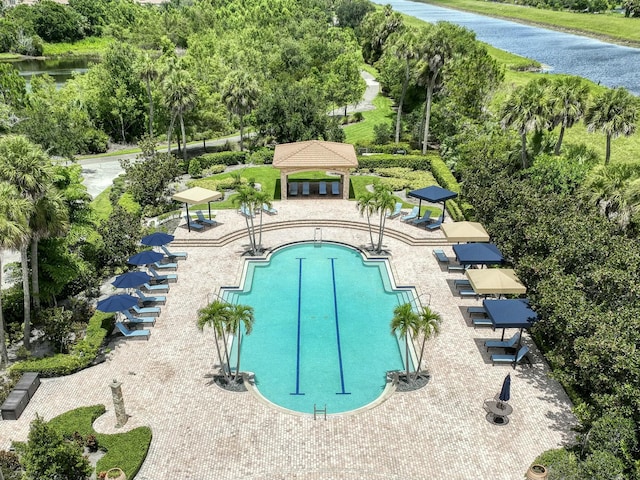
{"points": [[322, 327]]}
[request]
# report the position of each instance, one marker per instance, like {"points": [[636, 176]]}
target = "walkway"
{"points": [[202, 432]]}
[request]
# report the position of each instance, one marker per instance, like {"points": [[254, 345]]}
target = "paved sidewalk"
{"points": [[202, 432]]}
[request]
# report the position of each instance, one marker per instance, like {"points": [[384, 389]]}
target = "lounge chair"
{"points": [[513, 359], [270, 210], [412, 214], [204, 220], [156, 288], [173, 254], [245, 211], [503, 343], [396, 211], [335, 188], [149, 311], [467, 293], [162, 278], [194, 225], [305, 188], [434, 225], [426, 218], [323, 188], [440, 255], [476, 311], [161, 266], [457, 268], [482, 322], [293, 188], [133, 333], [462, 284], [154, 299], [131, 319]]}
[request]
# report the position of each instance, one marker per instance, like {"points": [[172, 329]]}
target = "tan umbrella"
{"points": [[196, 195], [464, 232], [497, 281]]}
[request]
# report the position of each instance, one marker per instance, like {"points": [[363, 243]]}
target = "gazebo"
{"points": [[313, 155], [196, 195]]}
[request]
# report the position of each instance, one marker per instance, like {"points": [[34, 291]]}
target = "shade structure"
{"points": [[157, 239], [505, 391], [145, 258], [433, 194], [478, 254], [196, 195], [464, 232], [495, 281], [131, 280], [117, 303], [510, 313]]}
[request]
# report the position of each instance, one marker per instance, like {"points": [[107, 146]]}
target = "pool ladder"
{"points": [[317, 236], [318, 411]]}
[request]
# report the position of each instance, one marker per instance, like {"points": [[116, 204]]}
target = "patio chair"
{"points": [[173, 255], [462, 283], [482, 322], [146, 299], [131, 319], [293, 188], [270, 210], [467, 293], [162, 278], [194, 225], [323, 188], [148, 311], [245, 211], [434, 225], [424, 219], [457, 268], [162, 266], [503, 343], [412, 214], [396, 211], [335, 188], [133, 333], [440, 255], [513, 359], [204, 220], [156, 288], [305, 188], [476, 311]]}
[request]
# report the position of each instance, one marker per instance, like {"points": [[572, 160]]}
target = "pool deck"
{"points": [[202, 432]]}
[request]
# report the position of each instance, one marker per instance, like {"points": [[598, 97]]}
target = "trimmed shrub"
{"points": [[414, 162], [214, 170], [222, 158], [195, 169], [560, 463], [264, 156]]}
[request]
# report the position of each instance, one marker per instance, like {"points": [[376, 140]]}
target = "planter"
{"points": [[537, 472], [116, 474]]}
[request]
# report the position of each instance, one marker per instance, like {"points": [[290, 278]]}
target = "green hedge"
{"points": [[401, 148], [415, 162], [457, 209], [80, 357], [222, 158]]}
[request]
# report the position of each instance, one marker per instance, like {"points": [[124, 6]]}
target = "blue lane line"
{"points": [[297, 392], [335, 310]]}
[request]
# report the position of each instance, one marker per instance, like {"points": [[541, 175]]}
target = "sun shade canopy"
{"points": [[197, 195], [478, 254], [497, 281], [464, 232], [514, 313], [433, 194]]}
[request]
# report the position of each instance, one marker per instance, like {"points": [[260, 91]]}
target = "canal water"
{"points": [[605, 63], [61, 69]]}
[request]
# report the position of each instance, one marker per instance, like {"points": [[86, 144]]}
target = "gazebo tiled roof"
{"points": [[315, 154]]}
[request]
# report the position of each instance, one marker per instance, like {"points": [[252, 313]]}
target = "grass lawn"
{"points": [[86, 46], [363, 131]]}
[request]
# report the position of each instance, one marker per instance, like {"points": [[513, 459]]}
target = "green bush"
{"points": [[414, 162], [195, 169], [214, 170], [222, 158], [614, 434], [127, 202], [561, 464], [80, 357], [443, 175], [264, 156], [402, 148]]}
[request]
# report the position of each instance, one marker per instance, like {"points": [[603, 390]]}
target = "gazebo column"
{"points": [[283, 185], [345, 185]]}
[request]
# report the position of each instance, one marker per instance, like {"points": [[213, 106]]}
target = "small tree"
{"points": [[429, 326], [405, 322], [214, 315]]}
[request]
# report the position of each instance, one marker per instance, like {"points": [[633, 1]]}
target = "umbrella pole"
{"points": [[188, 218], [419, 207], [444, 209], [209, 204], [502, 338]]}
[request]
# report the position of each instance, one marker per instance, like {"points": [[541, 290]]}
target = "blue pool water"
{"points": [[322, 327]]}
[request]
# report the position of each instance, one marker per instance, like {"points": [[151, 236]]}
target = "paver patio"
{"points": [[202, 432]]}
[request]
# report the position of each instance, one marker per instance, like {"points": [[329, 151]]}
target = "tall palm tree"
{"points": [[366, 205], [239, 316], [14, 231], [148, 71], [429, 326], [614, 113], [246, 198], [405, 322], [180, 97], [29, 169], [615, 190], [240, 94], [215, 315], [50, 218], [568, 98], [384, 203], [404, 48], [261, 198]]}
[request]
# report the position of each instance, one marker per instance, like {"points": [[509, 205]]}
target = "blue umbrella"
{"points": [[131, 280], [145, 258], [117, 303], [157, 239], [505, 393]]}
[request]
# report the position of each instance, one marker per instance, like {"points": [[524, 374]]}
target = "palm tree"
{"points": [[29, 169], [149, 73], [614, 113], [180, 98], [239, 316], [240, 94], [246, 198], [429, 326], [50, 218], [568, 98], [405, 322], [404, 48], [14, 231], [261, 198], [215, 315], [366, 205], [384, 203], [615, 190]]}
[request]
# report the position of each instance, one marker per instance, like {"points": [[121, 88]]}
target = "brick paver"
{"points": [[203, 432]]}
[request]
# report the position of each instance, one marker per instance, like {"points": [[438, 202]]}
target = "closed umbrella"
{"points": [[157, 239], [131, 280], [505, 392], [117, 303], [145, 258]]}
